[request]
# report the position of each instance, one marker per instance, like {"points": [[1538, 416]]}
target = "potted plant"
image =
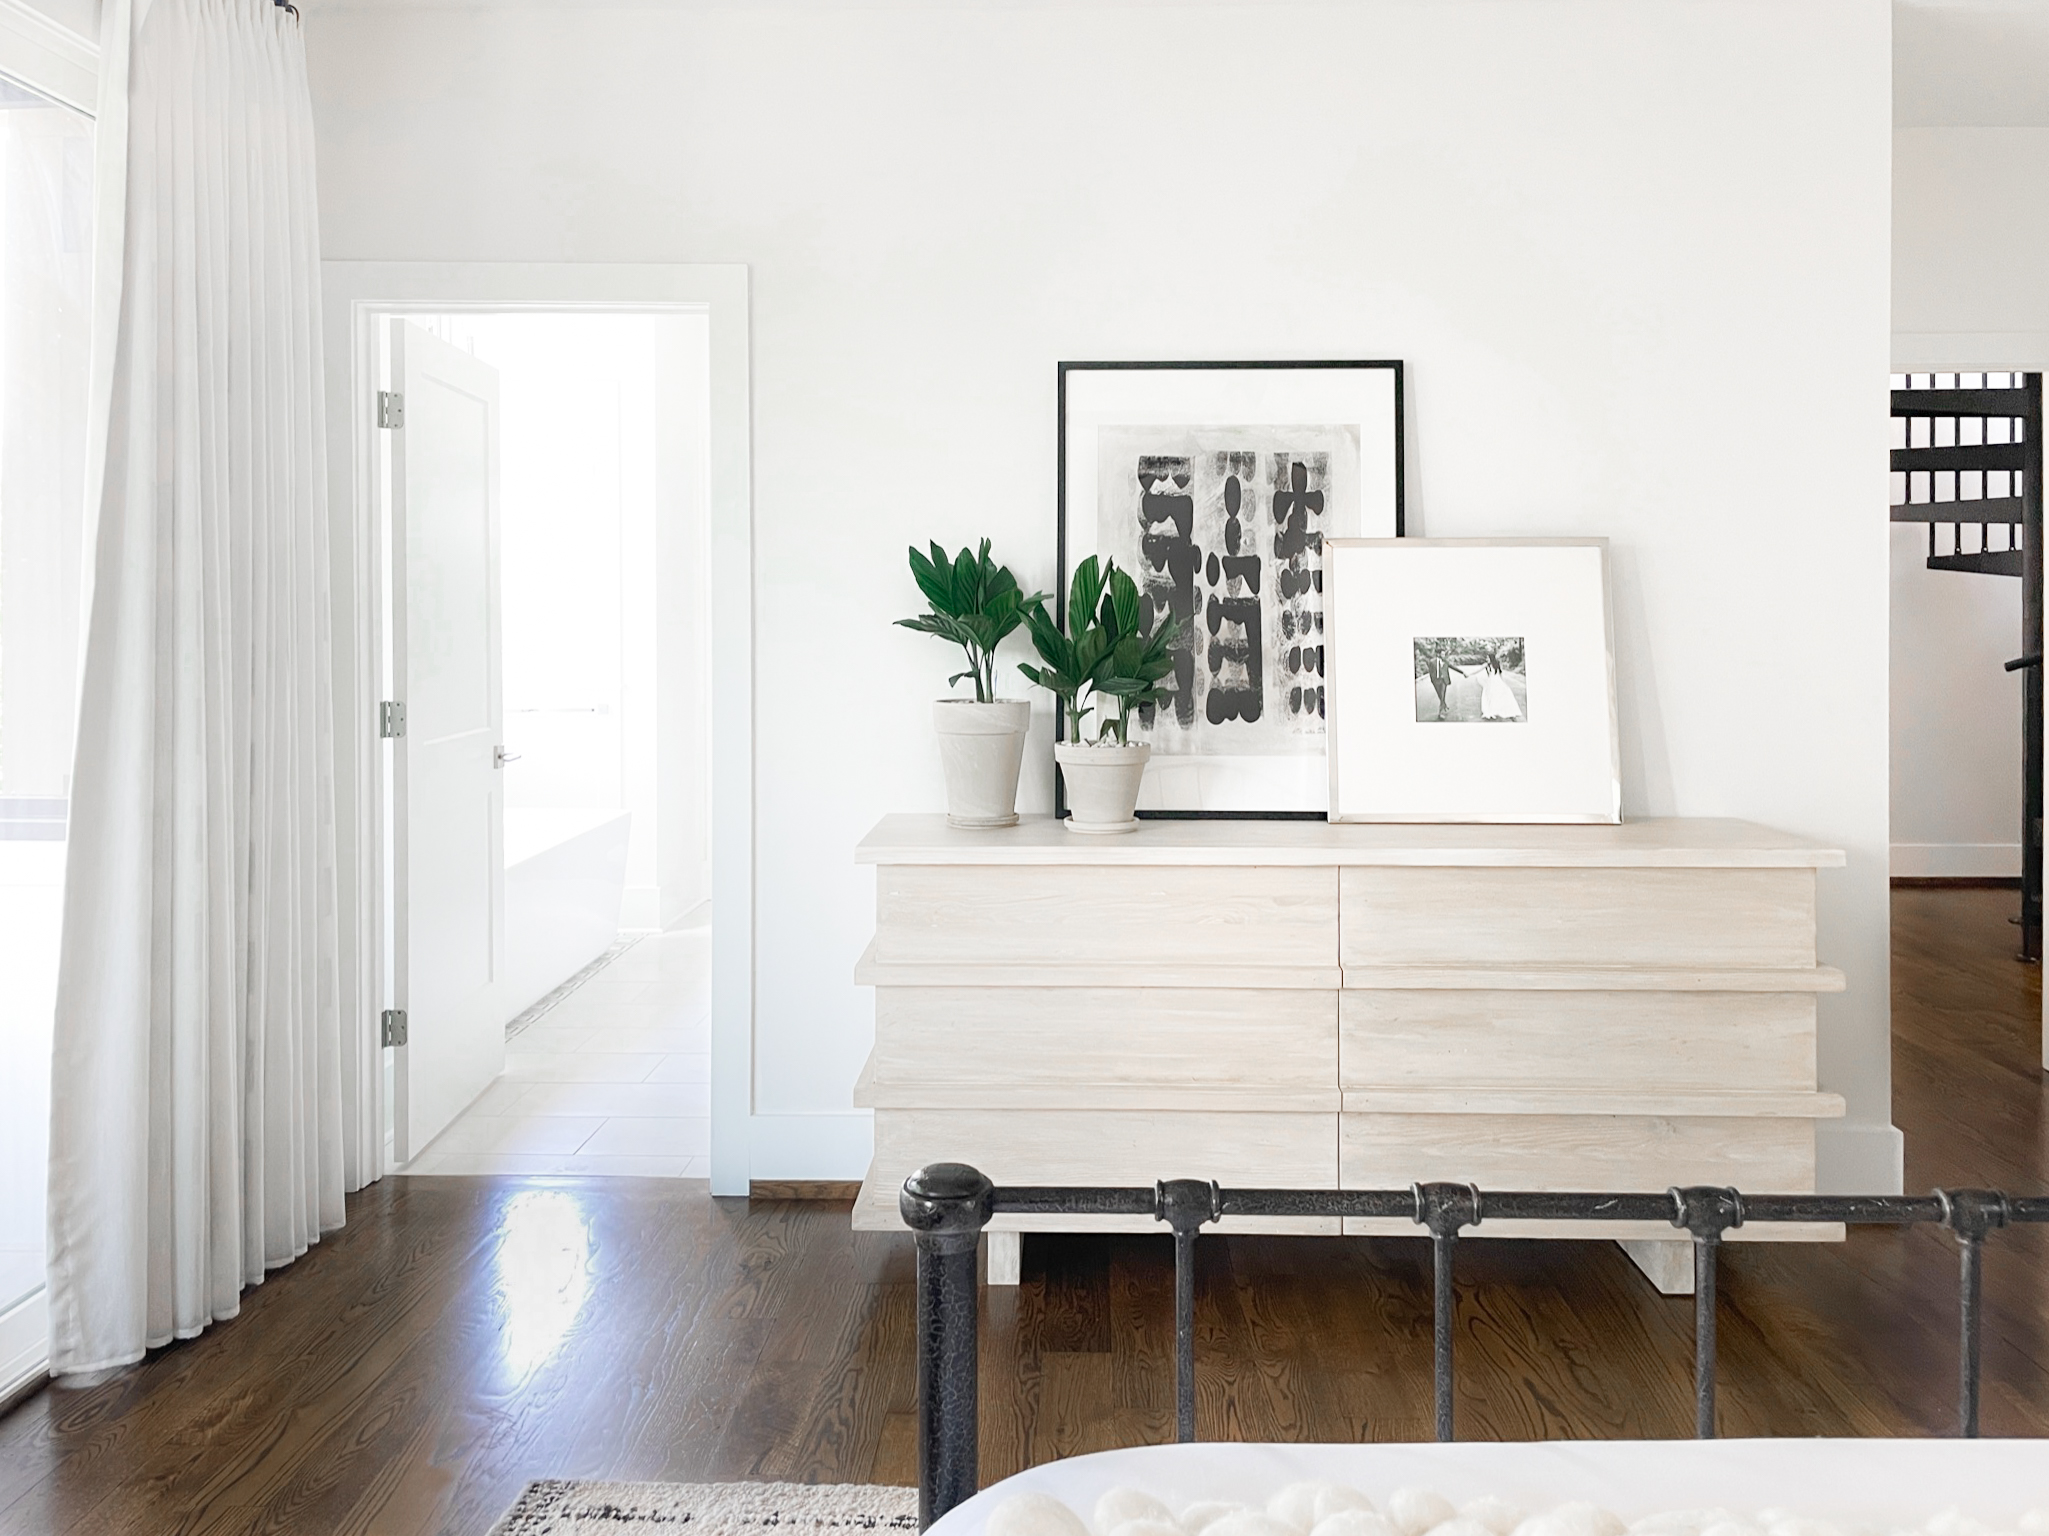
{"points": [[1109, 661], [975, 603]]}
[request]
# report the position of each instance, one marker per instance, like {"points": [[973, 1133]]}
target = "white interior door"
{"points": [[449, 801]]}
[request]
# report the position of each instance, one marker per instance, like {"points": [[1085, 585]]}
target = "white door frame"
{"points": [[356, 295]]}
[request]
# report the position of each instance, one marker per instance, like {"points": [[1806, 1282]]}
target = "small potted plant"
{"points": [[975, 604], [1109, 661]]}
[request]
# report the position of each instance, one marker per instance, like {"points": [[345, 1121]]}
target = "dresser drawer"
{"points": [[1095, 1038], [1104, 1148], [1743, 918], [1607, 1040], [1583, 1152], [1082, 914]]}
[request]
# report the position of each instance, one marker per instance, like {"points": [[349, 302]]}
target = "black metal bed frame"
{"points": [[947, 1205]]}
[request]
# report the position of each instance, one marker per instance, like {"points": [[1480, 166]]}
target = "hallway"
{"points": [[614, 1079]]}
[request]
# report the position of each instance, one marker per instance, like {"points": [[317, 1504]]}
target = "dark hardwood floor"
{"points": [[462, 1336]]}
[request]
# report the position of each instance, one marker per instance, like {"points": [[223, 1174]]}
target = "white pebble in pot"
{"points": [[1034, 1514], [1731, 1528], [1356, 1522], [1416, 1510], [1197, 1518], [2035, 1523], [1121, 1505], [1148, 1528]]}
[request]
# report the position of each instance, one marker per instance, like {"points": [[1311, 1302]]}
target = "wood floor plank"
{"points": [[416, 1369]]}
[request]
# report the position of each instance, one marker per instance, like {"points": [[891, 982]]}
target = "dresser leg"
{"points": [[1668, 1265], [1006, 1257]]}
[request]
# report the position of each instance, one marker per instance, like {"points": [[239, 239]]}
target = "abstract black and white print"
{"points": [[1223, 527], [1472, 678]]}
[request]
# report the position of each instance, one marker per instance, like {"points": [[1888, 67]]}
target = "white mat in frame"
{"points": [[1471, 680]]}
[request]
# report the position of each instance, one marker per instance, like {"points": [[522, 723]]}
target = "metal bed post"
{"points": [[1185, 1205], [1970, 1214], [1707, 1213], [1444, 1208], [946, 1205]]}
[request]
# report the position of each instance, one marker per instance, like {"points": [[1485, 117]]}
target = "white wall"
{"points": [[1600, 232], [1971, 247], [1956, 717]]}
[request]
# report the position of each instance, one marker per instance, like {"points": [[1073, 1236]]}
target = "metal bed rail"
{"points": [[947, 1205]]}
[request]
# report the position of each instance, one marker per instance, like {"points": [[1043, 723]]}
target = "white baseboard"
{"points": [[1852, 1158], [1957, 861], [24, 1343], [830, 1146]]}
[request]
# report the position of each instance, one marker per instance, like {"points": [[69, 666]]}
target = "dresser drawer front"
{"points": [[1262, 915], [1105, 1147], [1648, 917], [1576, 1152], [1605, 1040], [1089, 1037]]}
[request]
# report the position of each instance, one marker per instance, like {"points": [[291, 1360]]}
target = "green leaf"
{"points": [[943, 625], [1124, 608], [964, 582], [1082, 594], [938, 591]]}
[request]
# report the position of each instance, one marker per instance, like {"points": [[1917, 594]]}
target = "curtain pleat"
{"points": [[196, 1124]]}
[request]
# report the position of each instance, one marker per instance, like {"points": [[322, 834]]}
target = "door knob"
{"points": [[500, 757]]}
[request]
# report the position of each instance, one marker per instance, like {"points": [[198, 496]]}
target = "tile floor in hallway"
{"points": [[614, 1079]]}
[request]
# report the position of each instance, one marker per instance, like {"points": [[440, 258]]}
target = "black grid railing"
{"points": [[947, 1205]]}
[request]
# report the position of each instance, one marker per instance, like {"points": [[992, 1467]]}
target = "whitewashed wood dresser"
{"points": [[1298, 1004]]}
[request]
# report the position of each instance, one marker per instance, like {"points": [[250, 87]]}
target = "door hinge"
{"points": [[394, 1026], [391, 719], [391, 408]]}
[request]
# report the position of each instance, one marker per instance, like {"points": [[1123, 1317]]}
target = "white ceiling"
{"points": [[1970, 64]]}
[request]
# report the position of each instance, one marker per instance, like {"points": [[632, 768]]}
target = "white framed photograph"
{"points": [[1470, 680], [1216, 485]]}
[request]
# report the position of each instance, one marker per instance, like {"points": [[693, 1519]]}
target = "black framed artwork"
{"points": [[1215, 486]]}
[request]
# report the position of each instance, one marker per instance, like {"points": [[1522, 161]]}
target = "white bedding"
{"points": [[1882, 1483]]}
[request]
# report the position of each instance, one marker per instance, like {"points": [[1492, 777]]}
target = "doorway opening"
{"points": [[1966, 663], [548, 636]]}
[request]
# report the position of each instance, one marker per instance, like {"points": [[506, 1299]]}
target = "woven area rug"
{"points": [[715, 1509]]}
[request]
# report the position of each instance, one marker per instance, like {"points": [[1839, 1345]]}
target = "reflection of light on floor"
{"points": [[544, 1274]]}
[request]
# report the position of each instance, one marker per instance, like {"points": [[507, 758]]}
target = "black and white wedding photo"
{"points": [[1467, 678]]}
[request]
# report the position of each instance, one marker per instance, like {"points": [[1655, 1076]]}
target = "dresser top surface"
{"points": [[1652, 843]]}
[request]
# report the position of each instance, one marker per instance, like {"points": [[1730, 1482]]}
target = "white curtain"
{"points": [[196, 1101]]}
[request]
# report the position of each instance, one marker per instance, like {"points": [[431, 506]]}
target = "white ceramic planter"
{"points": [[1102, 785], [981, 747]]}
